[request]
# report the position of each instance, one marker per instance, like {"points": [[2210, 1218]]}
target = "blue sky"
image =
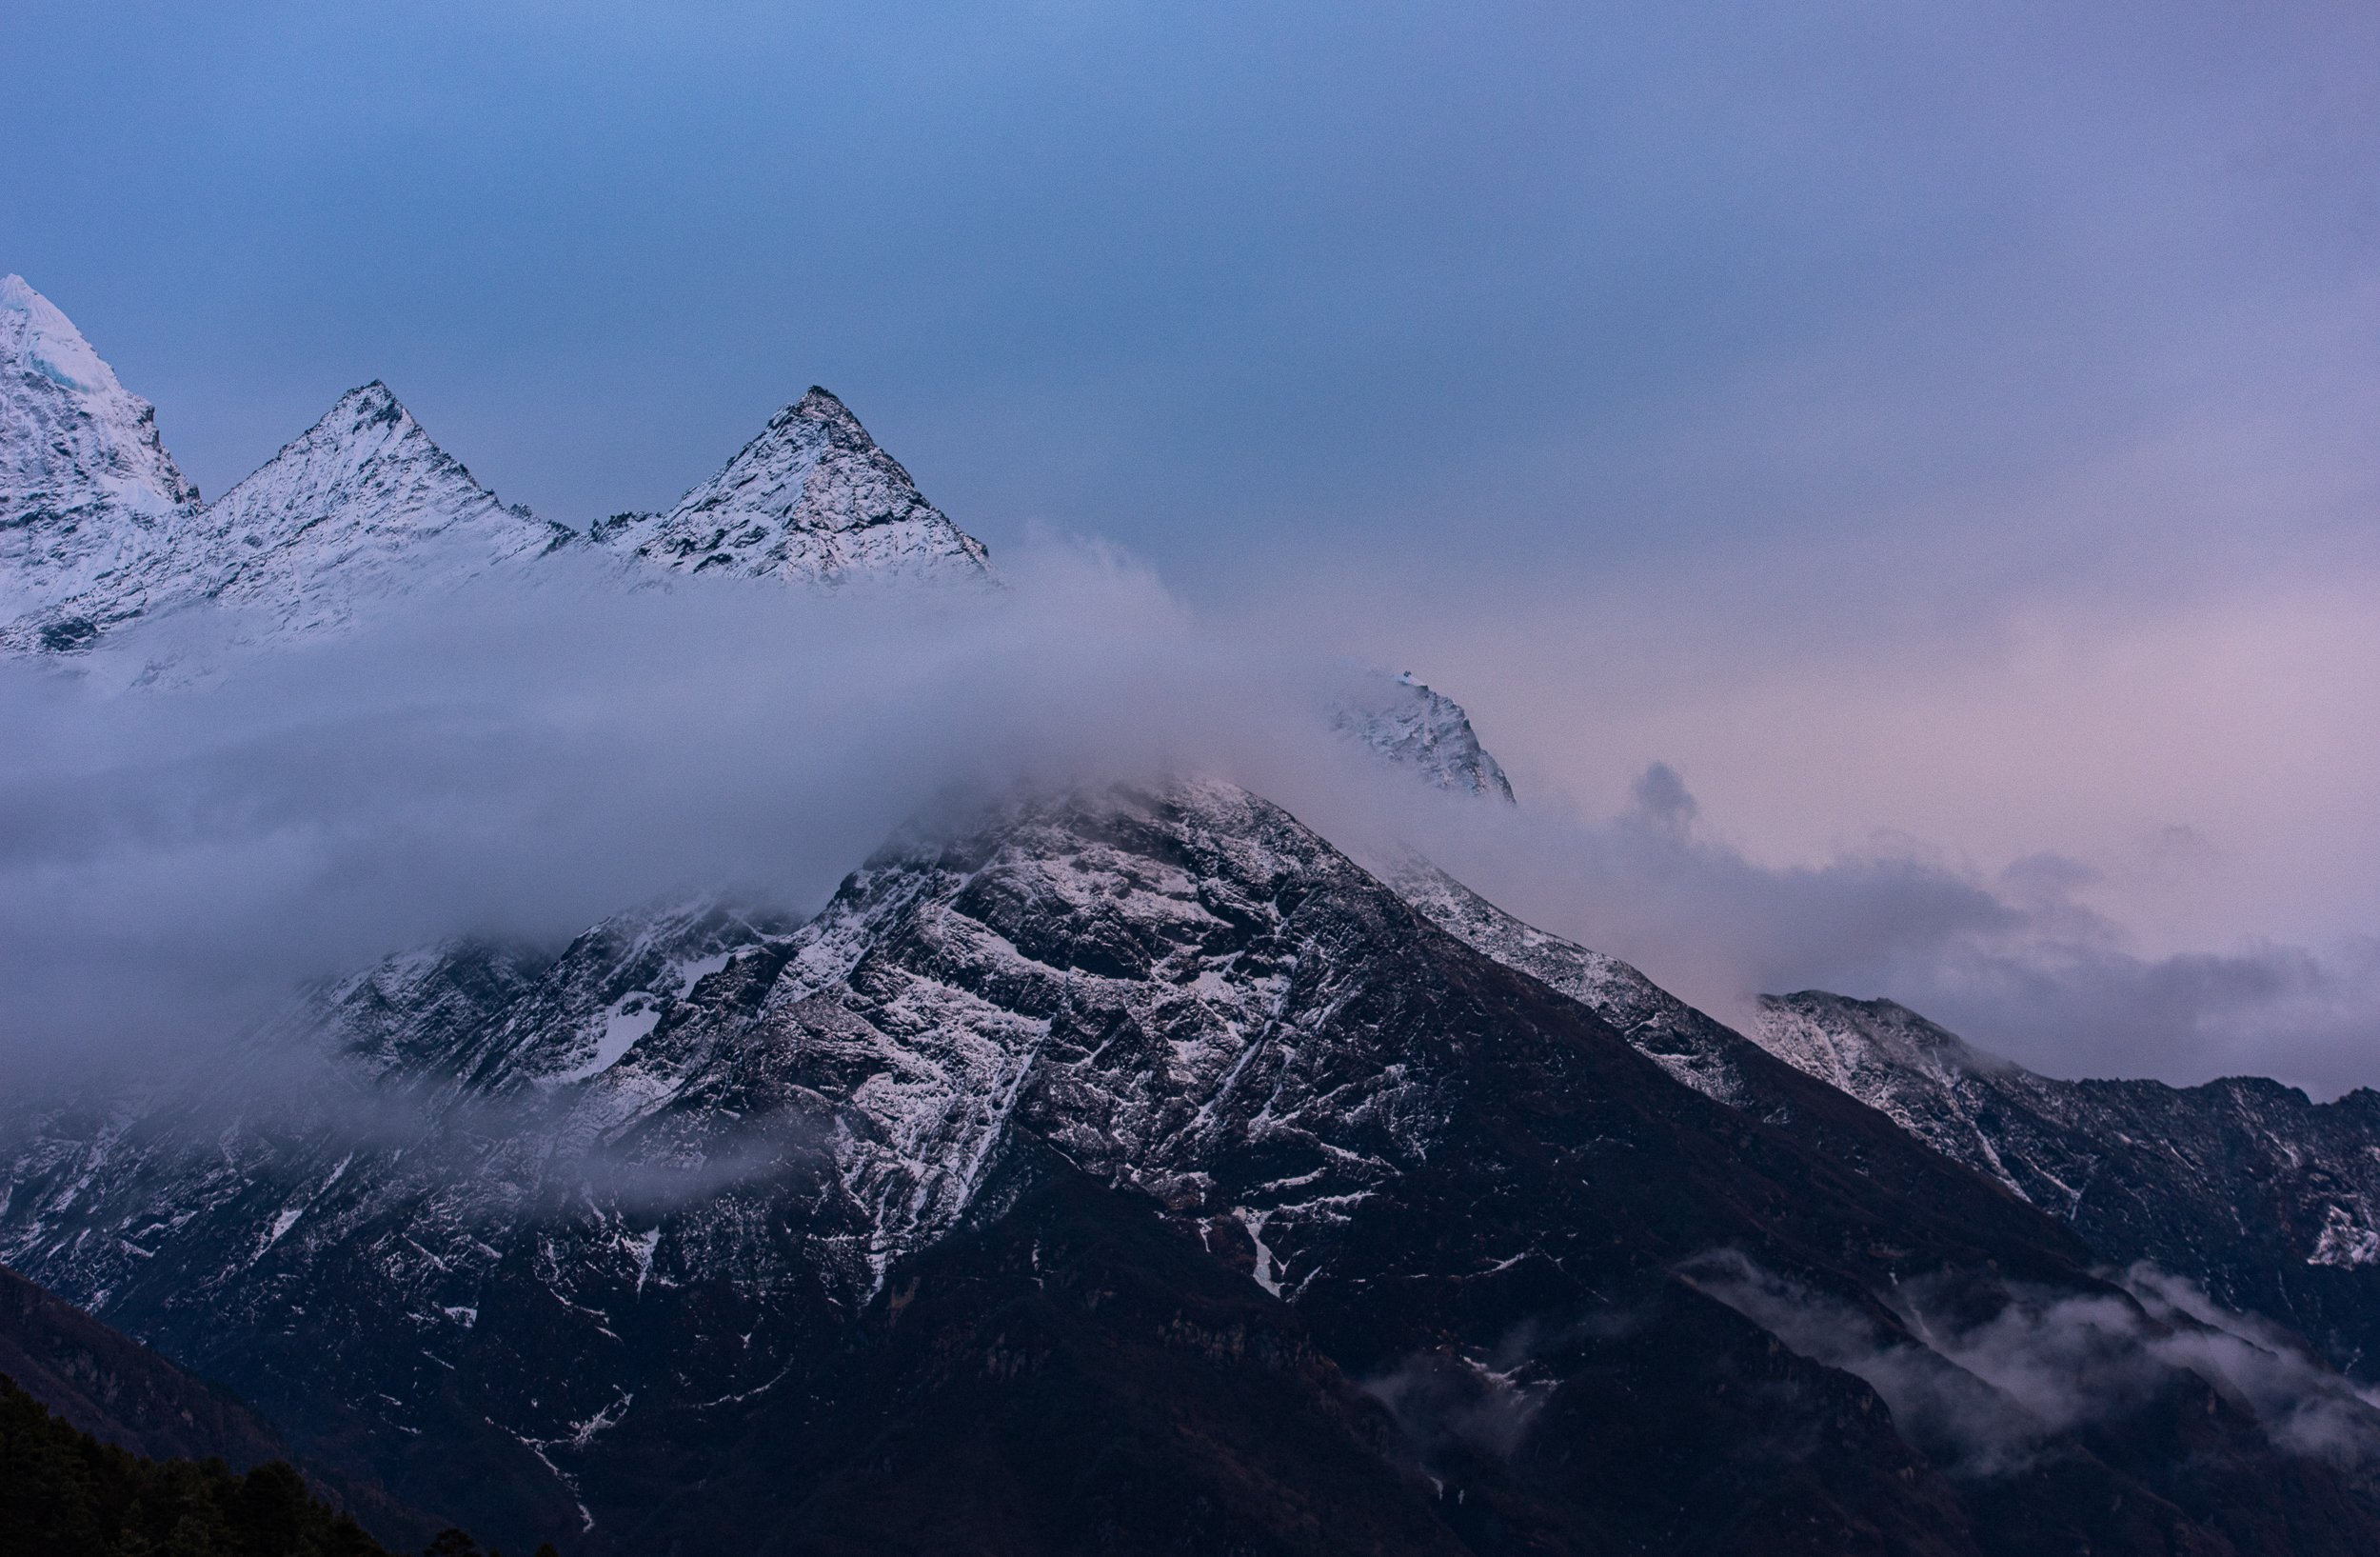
{"points": [[1949, 424]]}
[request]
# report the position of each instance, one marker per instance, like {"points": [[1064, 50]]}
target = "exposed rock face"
{"points": [[86, 485], [812, 500], [1083, 1099], [2269, 1200]]}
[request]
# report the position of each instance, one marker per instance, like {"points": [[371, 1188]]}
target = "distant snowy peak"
{"points": [[1872, 1049], [1426, 732], [812, 500], [85, 481], [363, 505]]}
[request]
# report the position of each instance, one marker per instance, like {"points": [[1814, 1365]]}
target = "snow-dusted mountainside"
{"points": [[713, 1227], [2269, 1199], [86, 486], [811, 500], [361, 506], [1411, 727], [1692, 1048], [1696, 1049], [98, 529]]}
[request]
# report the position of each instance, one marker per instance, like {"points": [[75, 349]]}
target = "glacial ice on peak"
{"points": [[44, 339]]}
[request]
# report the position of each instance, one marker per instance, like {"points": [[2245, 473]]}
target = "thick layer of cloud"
{"points": [[1950, 420], [176, 856], [519, 762]]}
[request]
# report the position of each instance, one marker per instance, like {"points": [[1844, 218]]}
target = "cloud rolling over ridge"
{"points": [[518, 763]]}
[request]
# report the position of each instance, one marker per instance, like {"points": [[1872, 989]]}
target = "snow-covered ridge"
{"points": [[86, 485], [98, 531], [1894, 1060], [813, 500], [1692, 1048]]}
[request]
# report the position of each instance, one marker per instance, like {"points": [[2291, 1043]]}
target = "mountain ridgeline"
{"points": [[1128, 1168]]}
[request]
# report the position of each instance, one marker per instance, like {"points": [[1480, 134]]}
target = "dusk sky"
{"points": [[1949, 432]]}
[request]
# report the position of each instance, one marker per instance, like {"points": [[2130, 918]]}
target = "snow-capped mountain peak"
{"points": [[361, 504], [85, 481], [811, 500], [42, 338], [1409, 726]]}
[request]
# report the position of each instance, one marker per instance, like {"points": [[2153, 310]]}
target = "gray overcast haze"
{"points": [[1946, 437]]}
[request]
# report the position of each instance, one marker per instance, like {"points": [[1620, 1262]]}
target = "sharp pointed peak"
{"points": [[367, 425], [375, 396], [19, 295], [821, 404], [358, 413], [1409, 723], [72, 437]]}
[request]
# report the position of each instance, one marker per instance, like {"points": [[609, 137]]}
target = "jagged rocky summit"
{"points": [[812, 500], [1409, 726]]}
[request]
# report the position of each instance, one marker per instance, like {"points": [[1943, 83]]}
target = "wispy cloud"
{"points": [[1988, 1395]]}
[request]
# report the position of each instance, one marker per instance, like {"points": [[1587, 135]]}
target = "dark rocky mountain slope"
{"points": [[114, 1387], [1135, 1163], [2268, 1199]]}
